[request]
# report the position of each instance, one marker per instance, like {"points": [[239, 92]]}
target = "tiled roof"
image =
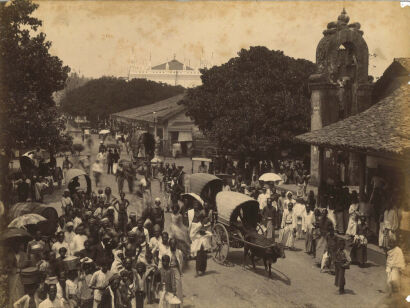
{"points": [[163, 109], [384, 128], [405, 62], [173, 65]]}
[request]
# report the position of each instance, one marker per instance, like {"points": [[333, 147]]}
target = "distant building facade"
{"points": [[167, 120], [173, 72]]}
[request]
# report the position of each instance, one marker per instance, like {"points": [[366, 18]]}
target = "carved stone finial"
{"points": [[355, 25], [332, 25], [343, 17]]}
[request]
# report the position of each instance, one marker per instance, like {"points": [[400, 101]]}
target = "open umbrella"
{"points": [[15, 233], [26, 219], [104, 132], [270, 177]]}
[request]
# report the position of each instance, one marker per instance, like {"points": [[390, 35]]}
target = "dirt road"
{"points": [[296, 281]]}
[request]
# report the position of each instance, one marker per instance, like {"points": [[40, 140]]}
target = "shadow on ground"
{"points": [[235, 258]]}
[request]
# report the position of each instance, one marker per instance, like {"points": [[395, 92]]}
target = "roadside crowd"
{"points": [[338, 220], [102, 255]]}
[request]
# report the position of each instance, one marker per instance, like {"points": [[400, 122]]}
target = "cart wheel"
{"points": [[220, 243], [239, 243], [259, 229]]}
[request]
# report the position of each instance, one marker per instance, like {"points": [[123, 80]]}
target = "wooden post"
{"points": [[362, 173], [320, 179], [321, 165]]}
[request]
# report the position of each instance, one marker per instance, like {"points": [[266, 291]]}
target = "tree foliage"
{"points": [[29, 77], [254, 102], [73, 81], [106, 95]]}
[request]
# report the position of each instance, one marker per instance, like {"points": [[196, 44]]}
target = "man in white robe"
{"points": [[388, 226]]}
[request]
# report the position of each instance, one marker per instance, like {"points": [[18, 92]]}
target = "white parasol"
{"points": [[104, 132], [26, 219], [156, 160], [270, 177]]}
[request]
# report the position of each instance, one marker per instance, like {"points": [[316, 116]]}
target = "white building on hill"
{"points": [[172, 72]]}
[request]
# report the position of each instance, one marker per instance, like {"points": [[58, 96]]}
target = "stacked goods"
{"points": [[29, 275]]}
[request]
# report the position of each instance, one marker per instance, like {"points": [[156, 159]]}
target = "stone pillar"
{"points": [[325, 110]]}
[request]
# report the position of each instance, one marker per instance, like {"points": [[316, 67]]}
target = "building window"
{"points": [[174, 137]]}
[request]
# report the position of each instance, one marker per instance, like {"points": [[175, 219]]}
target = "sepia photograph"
{"points": [[204, 154]]}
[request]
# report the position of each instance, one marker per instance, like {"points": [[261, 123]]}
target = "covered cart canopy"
{"points": [[50, 213], [27, 162], [199, 181], [231, 205], [193, 196], [72, 173]]}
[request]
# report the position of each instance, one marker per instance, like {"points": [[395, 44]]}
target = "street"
{"points": [[295, 282], [292, 113]]}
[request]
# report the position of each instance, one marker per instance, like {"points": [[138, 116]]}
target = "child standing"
{"points": [[341, 264], [394, 265], [358, 253], [99, 282], [71, 289], [122, 212], [168, 282], [140, 285], [331, 249], [84, 291]]}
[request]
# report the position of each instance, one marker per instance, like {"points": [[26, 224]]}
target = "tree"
{"points": [[101, 97], [73, 81], [29, 77], [254, 103]]}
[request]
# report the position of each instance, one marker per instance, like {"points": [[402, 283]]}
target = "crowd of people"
{"points": [[338, 220], [29, 186], [103, 256]]}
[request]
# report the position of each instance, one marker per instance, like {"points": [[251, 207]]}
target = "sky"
{"points": [[104, 38]]}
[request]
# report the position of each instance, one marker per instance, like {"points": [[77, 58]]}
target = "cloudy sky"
{"points": [[102, 37]]}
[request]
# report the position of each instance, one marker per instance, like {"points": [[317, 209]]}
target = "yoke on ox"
{"points": [[237, 225]]}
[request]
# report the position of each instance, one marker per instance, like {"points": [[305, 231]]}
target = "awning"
{"points": [[184, 136]]}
